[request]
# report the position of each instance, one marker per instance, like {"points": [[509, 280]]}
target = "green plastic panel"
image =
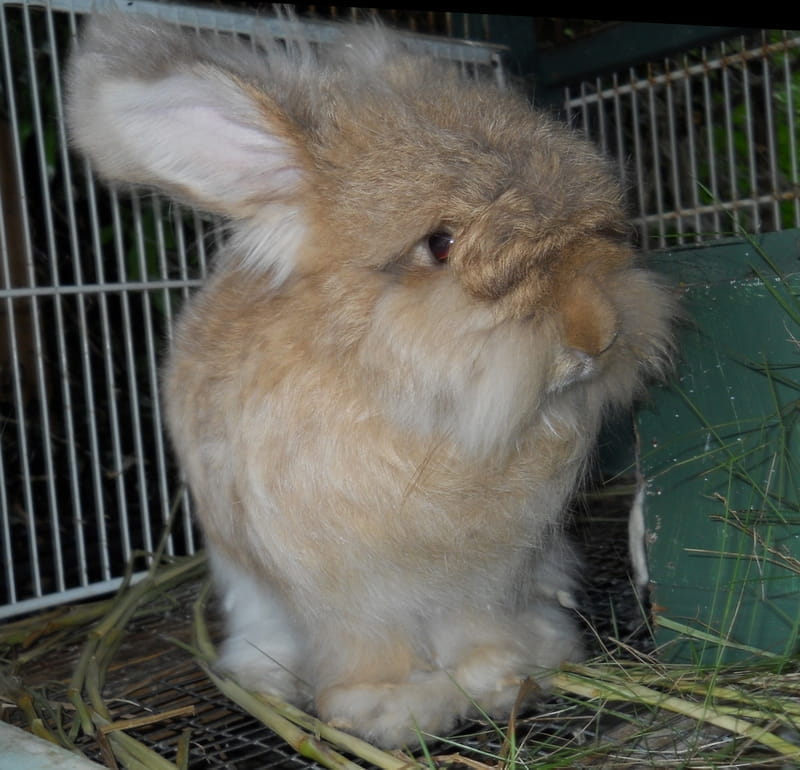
{"points": [[720, 450]]}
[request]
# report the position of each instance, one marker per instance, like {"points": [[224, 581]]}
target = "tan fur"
{"points": [[381, 448]]}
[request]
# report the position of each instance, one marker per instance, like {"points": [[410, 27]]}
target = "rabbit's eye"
{"points": [[439, 244]]}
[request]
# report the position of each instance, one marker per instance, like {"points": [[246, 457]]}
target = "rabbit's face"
{"points": [[475, 258]]}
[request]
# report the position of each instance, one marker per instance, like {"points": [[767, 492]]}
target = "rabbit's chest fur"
{"points": [[350, 473]]}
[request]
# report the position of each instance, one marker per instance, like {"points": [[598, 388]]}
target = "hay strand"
{"points": [[602, 682]]}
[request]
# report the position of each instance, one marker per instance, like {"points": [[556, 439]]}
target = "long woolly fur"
{"points": [[381, 448]]}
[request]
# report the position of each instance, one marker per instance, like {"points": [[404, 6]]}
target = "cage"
{"points": [[707, 138], [91, 282], [703, 125]]}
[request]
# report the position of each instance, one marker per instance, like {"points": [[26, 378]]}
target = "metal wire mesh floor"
{"points": [[158, 685], [218, 734]]}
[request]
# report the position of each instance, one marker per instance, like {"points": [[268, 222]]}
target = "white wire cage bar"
{"points": [[90, 282], [708, 140]]}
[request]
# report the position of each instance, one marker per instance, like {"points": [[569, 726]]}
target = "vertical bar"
{"points": [[711, 156], [694, 173], [769, 130], [753, 192], [567, 107], [639, 158], [138, 459], [655, 149], [619, 122], [499, 70], [730, 137], [10, 169], [674, 154], [10, 161], [152, 359], [120, 510], [5, 523], [792, 129], [162, 221], [585, 122], [107, 345], [601, 117]]}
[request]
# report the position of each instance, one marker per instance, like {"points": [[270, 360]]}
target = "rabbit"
{"points": [[389, 390]]}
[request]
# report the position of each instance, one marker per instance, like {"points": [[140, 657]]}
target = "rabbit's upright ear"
{"points": [[152, 105]]}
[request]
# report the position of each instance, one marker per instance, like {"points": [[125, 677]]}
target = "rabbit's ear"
{"points": [[200, 133]]}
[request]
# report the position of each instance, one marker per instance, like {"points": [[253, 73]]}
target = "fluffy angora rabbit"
{"points": [[385, 396]]}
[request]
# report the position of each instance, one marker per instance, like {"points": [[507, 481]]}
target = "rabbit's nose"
{"points": [[590, 321]]}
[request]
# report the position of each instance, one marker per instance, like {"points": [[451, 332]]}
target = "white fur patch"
{"points": [[388, 713], [262, 649], [197, 132], [636, 539], [270, 243]]}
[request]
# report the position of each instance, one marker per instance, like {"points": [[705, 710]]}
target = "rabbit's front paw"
{"points": [[395, 714], [493, 677]]}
